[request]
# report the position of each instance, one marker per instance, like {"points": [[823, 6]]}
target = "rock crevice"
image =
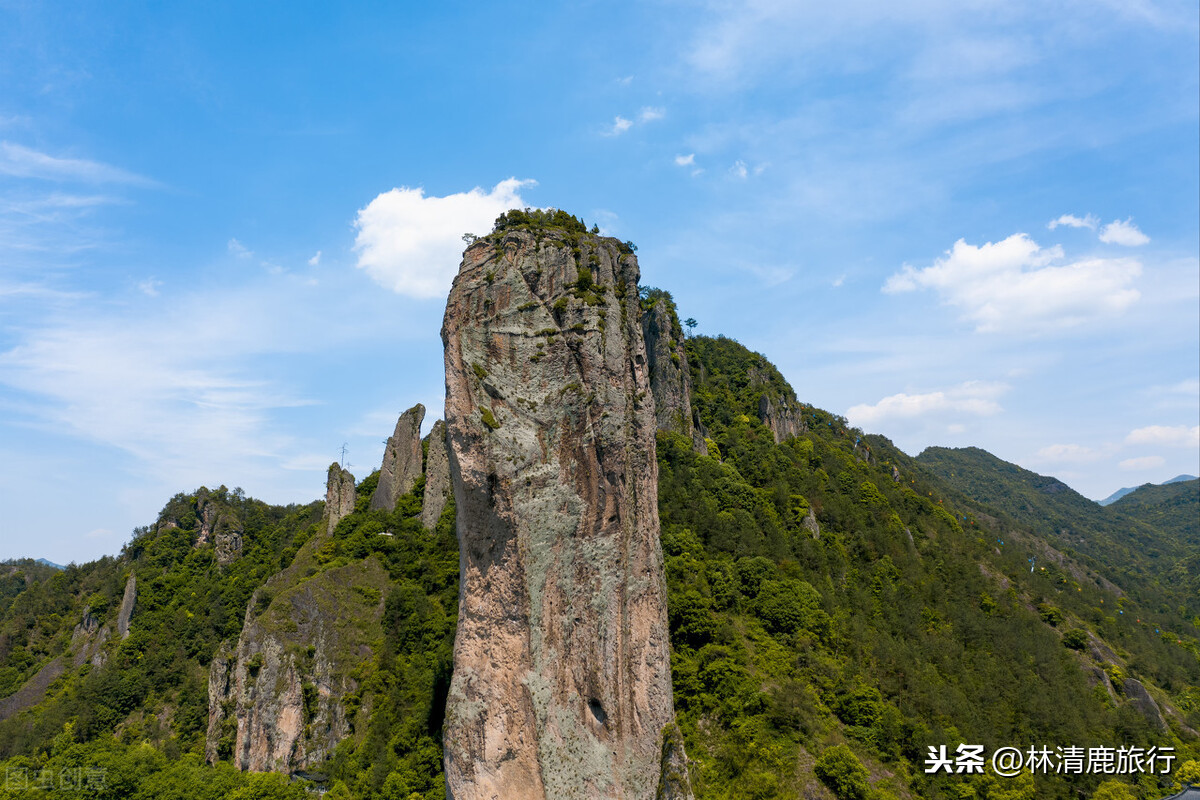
{"points": [[561, 684]]}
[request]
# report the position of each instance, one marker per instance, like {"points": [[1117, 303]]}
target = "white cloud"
{"points": [[1145, 462], [149, 287], [1072, 221], [628, 79], [976, 398], [1070, 454], [839, 280], [1169, 436], [686, 161], [1123, 233], [23, 162], [650, 114], [739, 169], [315, 260], [1011, 285], [619, 126], [238, 249], [412, 244]]}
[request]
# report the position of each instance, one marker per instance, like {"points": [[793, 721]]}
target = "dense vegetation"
{"points": [[1124, 540], [904, 623], [836, 607]]}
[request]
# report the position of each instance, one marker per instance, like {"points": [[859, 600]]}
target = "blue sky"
{"points": [[226, 234]]}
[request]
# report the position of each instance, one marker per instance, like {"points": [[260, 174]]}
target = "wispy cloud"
{"points": [[1072, 221], [1123, 233], [651, 114], [315, 260], [1142, 463], [1014, 286], [412, 244], [22, 162], [973, 398], [686, 161], [619, 126], [1072, 454]]}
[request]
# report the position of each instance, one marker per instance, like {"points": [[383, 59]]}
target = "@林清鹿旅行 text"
{"points": [[1009, 761]]}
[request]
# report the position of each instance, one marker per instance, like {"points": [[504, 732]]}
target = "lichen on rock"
{"points": [[340, 495], [437, 477], [561, 684], [401, 460]]}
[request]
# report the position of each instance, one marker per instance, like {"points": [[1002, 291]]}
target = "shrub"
{"points": [[840, 770]]}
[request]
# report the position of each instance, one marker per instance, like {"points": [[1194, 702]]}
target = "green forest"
{"points": [[837, 609]]}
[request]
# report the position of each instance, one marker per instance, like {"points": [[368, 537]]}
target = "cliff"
{"points": [[277, 696], [667, 367], [561, 684], [401, 460]]}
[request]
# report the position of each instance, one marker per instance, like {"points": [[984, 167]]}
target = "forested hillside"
{"points": [[836, 608]]}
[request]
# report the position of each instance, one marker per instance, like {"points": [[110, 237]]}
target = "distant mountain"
{"points": [[46, 563], [1173, 507], [1130, 551], [1119, 493]]}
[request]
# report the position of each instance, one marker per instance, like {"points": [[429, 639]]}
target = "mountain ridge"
{"points": [[834, 606]]}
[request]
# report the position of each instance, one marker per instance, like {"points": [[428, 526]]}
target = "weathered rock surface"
{"points": [[670, 380], [34, 689], [219, 525], [779, 410], [339, 495], [437, 477], [128, 603], [666, 365], [276, 699], [562, 685], [1144, 703], [88, 640], [401, 460]]}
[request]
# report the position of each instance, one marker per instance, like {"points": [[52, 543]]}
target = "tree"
{"points": [[1114, 790], [840, 770]]}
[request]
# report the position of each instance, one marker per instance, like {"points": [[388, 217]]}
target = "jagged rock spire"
{"points": [[401, 460], [437, 476], [339, 495], [562, 684]]}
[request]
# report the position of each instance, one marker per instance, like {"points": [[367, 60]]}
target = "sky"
{"points": [[227, 230]]}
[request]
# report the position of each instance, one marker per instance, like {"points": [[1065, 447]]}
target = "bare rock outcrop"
{"points": [[128, 603], [778, 408], [670, 379], [562, 684], [88, 640], [437, 477], [339, 495], [1144, 703], [401, 460], [276, 699], [219, 525]]}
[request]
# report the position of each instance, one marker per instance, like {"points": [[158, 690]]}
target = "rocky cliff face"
{"points": [[778, 409], [561, 683], [401, 460], [128, 602], [339, 495], [276, 697], [437, 477], [670, 380]]}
